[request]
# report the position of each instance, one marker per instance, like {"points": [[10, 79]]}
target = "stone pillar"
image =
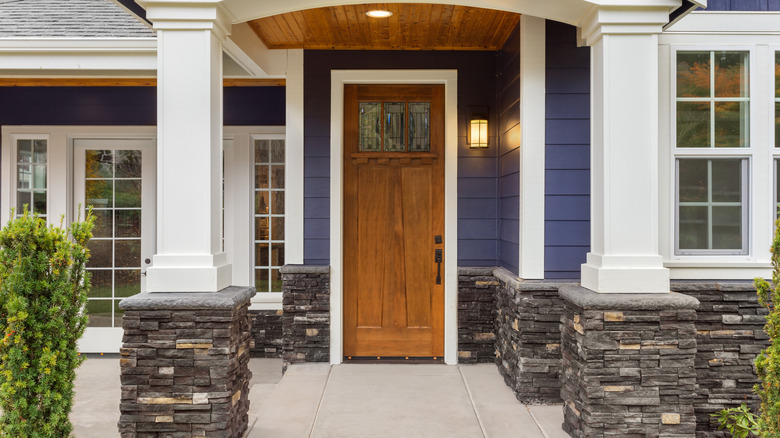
{"points": [[184, 364], [189, 255], [624, 254], [476, 315], [628, 364], [528, 337], [306, 313]]}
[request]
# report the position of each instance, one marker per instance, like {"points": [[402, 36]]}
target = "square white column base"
{"points": [[625, 274], [188, 278]]}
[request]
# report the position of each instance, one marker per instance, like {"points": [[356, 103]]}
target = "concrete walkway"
{"points": [[353, 400]]}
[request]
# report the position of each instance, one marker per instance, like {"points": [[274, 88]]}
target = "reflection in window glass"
{"points": [[113, 190], [31, 184], [777, 99], [420, 126], [370, 126], [713, 100], [711, 210], [269, 213]]}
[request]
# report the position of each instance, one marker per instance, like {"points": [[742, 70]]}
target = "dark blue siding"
{"points": [[567, 154], [477, 169], [509, 157], [743, 5], [126, 105]]}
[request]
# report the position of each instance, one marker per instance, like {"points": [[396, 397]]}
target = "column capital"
{"points": [[189, 15], [626, 17]]}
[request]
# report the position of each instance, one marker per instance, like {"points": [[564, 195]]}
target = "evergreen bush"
{"points": [[768, 362], [43, 290]]}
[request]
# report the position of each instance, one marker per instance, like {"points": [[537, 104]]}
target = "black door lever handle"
{"points": [[437, 259]]}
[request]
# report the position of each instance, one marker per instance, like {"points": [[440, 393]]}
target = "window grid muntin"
{"points": [[712, 99], [270, 269], [32, 167], [114, 238], [744, 196]]}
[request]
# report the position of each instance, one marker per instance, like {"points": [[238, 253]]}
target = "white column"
{"points": [[293, 220], [624, 253], [532, 146], [189, 254]]}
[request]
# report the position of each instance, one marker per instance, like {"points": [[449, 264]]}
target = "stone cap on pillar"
{"points": [[305, 269], [588, 300], [227, 298]]}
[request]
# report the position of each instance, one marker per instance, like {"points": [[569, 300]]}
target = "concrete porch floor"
{"points": [[352, 400]]}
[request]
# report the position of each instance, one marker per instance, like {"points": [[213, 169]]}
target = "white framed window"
{"points": [[269, 197], [30, 174], [717, 145], [711, 152]]}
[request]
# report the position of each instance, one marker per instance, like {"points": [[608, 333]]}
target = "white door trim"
{"points": [[449, 78]]}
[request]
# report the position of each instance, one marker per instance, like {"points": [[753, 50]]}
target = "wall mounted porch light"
{"points": [[379, 13], [478, 131]]}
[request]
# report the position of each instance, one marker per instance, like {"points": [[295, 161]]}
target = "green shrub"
{"points": [[768, 362], [740, 422], [43, 289]]}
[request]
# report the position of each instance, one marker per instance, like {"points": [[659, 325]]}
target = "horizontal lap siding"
{"points": [[478, 208], [509, 154], [567, 154], [743, 5], [127, 106]]}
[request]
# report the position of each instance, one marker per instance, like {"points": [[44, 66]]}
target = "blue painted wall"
{"points": [[127, 105], [509, 152], [567, 175], [477, 169], [743, 5]]}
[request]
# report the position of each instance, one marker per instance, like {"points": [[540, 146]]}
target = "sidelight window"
{"points": [[31, 186], [269, 214]]}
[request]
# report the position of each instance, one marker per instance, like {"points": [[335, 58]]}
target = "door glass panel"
{"points": [[370, 126], [394, 118], [269, 213], [419, 126], [113, 190]]}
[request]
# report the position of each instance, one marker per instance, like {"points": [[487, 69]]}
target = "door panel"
{"points": [[393, 207], [116, 179]]}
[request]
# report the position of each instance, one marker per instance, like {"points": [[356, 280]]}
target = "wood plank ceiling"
{"points": [[411, 27]]}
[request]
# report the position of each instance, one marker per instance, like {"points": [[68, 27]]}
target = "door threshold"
{"points": [[394, 359]]}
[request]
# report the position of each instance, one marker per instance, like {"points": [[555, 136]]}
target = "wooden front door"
{"points": [[393, 220]]}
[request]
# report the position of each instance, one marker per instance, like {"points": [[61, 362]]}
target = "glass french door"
{"points": [[116, 178]]}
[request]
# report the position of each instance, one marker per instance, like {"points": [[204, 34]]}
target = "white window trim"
{"points": [[238, 207], [760, 165]]}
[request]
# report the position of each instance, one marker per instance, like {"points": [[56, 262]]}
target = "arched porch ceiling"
{"points": [[567, 11], [411, 27]]}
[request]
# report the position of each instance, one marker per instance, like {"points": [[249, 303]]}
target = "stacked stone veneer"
{"points": [[628, 364], [476, 315], [267, 340], [306, 313], [528, 337], [184, 364], [729, 334]]}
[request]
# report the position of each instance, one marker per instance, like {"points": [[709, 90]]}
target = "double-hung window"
{"points": [[711, 153]]}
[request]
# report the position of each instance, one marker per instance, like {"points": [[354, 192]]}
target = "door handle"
{"points": [[437, 259]]}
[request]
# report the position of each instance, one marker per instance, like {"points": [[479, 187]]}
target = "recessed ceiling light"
{"points": [[379, 13]]}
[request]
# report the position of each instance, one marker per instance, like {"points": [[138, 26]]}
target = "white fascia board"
{"points": [[252, 55], [724, 22], [78, 54]]}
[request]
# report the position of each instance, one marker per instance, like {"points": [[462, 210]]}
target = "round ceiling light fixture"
{"points": [[379, 13]]}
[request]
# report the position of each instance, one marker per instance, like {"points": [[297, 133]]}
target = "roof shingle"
{"points": [[69, 19]]}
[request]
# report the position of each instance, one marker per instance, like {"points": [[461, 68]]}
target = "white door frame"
{"points": [[449, 78], [109, 339]]}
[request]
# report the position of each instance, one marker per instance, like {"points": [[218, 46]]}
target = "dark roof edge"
{"points": [[133, 8], [685, 8]]}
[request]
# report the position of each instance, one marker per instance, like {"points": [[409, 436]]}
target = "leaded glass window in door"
{"points": [[394, 126]]}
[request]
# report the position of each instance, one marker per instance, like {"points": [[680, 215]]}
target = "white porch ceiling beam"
{"points": [[252, 55]]}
